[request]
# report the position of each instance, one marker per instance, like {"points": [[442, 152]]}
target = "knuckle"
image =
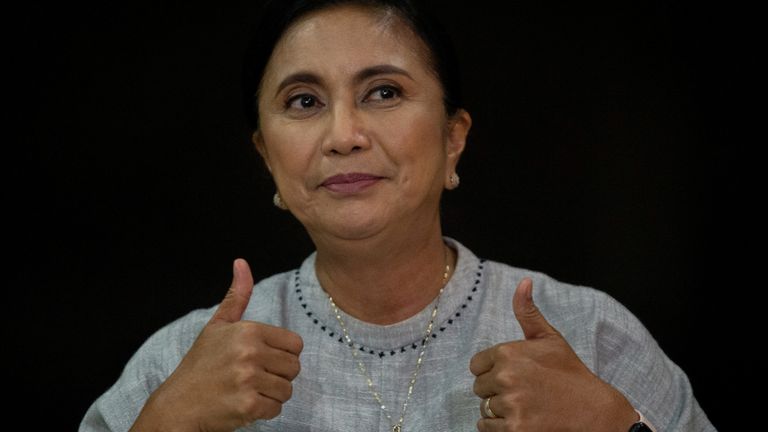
{"points": [[529, 367], [245, 374], [229, 295], [504, 401], [249, 329], [250, 405], [246, 353], [512, 401], [506, 378], [256, 406], [505, 351], [531, 313]]}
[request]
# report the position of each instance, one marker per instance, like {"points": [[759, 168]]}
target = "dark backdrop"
{"points": [[600, 154]]}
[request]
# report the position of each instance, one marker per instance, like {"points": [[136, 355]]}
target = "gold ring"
{"points": [[487, 408]]}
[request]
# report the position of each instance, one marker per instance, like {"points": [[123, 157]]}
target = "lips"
{"points": [[349, 178], [350, 183]]}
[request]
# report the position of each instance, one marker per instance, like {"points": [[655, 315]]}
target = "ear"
{"points": [[458, 129], [258, 141]]}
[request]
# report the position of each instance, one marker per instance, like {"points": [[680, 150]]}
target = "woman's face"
{"points": [[353, 126]]}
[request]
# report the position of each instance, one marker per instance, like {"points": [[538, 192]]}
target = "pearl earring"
{"points": [[277, 200], [454, 179]]}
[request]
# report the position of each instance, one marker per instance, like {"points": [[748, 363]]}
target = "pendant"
{"points": [[396, 428]]}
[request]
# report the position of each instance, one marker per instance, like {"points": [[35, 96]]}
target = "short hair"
{"points": [[278, 15]]}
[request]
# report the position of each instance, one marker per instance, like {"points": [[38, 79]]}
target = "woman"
{"points": [[388, 325]]}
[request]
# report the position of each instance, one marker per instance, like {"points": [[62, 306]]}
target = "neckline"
{"points": [[404, 336]]}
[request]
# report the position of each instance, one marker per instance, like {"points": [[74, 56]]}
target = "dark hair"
{"points": [[278, 15]]}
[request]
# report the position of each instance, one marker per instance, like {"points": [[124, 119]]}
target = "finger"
{"points": [[491, 425], [283, 364], [285, 340], [484, 411], [486, 385], [232, 307], [267, 408], [531, 320], [481, 362], [275, 387]]}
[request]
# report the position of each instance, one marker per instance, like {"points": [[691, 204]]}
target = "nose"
{"points": [[346, 132]]}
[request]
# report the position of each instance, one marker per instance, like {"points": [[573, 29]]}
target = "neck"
{"points": [[383, 280]]}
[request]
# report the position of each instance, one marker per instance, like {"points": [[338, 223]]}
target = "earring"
{"points": [[454, 179], [277, 200]]}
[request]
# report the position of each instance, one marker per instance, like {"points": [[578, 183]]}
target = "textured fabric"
{"points": [[475, 312]]}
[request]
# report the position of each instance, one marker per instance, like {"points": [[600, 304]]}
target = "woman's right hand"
{"points": [[236, 372]]}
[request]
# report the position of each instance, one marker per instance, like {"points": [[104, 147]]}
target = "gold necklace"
{"points": [[396, 427]]}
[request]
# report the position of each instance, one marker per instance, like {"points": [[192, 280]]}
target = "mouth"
{"points": [[351, 183]]}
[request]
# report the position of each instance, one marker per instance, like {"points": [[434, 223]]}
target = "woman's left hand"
{"points": [[540, 384]]}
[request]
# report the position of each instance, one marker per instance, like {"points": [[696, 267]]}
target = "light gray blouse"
{"points": [[475, 312]]}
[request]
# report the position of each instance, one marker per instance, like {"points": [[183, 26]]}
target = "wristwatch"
{"points": [[640, 427]]}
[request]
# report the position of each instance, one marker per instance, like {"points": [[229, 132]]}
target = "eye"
{"points": [[301, 102], [384, 93]]}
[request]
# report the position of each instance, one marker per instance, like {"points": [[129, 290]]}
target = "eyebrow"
{"points": [[310, 78]]}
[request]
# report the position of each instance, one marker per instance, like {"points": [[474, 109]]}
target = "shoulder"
{"points": [[578, 311], [595, 324], [559, 301], [161, 353], [598, 327], [146, 370]]}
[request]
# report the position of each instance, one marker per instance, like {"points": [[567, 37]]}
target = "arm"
{"points": [[630, 359]]}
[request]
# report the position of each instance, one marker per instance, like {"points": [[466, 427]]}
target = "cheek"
{"points": [[290, 150], [418, 144]]}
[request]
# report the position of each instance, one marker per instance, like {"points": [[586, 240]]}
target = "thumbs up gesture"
{"points": [[236, 371], [540, 384]]}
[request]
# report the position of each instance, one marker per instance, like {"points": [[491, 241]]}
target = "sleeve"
{"points": [[117, 409], [630, 359]]}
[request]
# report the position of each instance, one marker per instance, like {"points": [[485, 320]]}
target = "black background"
{"points": [[603, 153]]}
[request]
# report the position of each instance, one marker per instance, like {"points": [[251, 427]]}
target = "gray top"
{"points": [[475, 312]]}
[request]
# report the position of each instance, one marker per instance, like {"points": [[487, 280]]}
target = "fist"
{"points": [[540, 384], [236, 371]]}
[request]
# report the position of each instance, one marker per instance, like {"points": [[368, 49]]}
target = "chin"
{"points": [[354, 221], [353, 225], [355, 231]]}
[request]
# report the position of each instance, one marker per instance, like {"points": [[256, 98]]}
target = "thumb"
{"points": [[232, 307], [531, 320]]}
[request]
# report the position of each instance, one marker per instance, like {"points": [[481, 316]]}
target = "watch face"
{"points": [[640, 427]]}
